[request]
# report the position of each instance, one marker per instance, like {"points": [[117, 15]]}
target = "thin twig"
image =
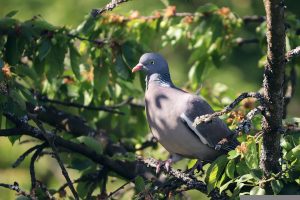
{"points": [[26, 153], [209, 117], [32, 164], [16, 188], [71, 104], [292, 53], [109, 7], [51, 143], [253, 18], [245, 125], [241, 41], [118, 189]]}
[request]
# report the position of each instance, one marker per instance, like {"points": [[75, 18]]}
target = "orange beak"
{"points": [[138, 67]]}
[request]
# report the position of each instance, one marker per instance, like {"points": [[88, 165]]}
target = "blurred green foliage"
{"points": [[49, 48]]}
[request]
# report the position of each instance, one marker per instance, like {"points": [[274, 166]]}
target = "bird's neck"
{"points": [[163, 80]]}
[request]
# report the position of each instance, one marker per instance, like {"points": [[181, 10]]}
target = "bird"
{"points": [[171, 111]]}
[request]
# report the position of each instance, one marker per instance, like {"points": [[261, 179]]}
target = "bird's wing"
{"points": [[211, 133]]}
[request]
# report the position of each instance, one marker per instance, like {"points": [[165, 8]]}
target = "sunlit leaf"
{"points": [[214, 172]]}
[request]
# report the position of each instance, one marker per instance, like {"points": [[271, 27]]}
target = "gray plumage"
{"points": [[172, 111]]}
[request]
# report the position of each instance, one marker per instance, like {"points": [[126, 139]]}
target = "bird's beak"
{"points": [[138, 67]]}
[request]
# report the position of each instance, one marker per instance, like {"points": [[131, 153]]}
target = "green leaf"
{"points": [[251, 156], [21, 197], [139, 184], [91, 143], [232, 154], [242, 168], [11, 13], [44, 49], [277, 186], [230, 168], [209, 7], [74, 60], [121, 68], [19, 98], [14, 138], [225, 186], [257, 174], [214, 172], [101, 74], [12, 53], [294, 153], [257, 191]]}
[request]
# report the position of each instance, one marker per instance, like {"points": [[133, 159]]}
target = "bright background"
{"points": [[243, 73]]}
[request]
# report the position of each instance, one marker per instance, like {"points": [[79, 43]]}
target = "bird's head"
{"points": [[152, 63]]}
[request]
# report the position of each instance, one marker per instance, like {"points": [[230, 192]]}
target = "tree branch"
{"points": [[189, 181], [273, 86], [208, 117], [292, 53], [109, 7], [16, 188], [71, 104]]}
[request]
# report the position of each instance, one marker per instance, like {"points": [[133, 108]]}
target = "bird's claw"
{"points": [[166, 164]]}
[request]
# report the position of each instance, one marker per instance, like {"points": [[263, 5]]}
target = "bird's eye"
{"points": [[152, 62]]}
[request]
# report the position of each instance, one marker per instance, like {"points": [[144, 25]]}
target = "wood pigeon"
{"points": [[172, 111]]}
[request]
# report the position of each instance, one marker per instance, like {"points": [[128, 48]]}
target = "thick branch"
{"points": [[189, 181], [273, 86], [124, 169]]}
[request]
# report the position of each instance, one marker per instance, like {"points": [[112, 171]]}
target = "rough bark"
{"points": [[273, 86]]}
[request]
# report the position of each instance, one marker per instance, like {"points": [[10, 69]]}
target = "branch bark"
{"points": [[273, 87]]}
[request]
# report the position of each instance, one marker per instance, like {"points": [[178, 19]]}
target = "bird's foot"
{"points": [[166, 164]]}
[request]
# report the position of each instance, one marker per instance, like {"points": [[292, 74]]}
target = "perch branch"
{"points": [[189, 181], [209, 117]]}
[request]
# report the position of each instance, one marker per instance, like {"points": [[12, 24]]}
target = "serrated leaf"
{"points": [[139, 184], [251, 156], [277, 186], [18, 97], [101, 78], [214, 172], [74, 61], [11, 13], [257, 191], [91, 143], [230, 168], [121, 68], [44, 49]]}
